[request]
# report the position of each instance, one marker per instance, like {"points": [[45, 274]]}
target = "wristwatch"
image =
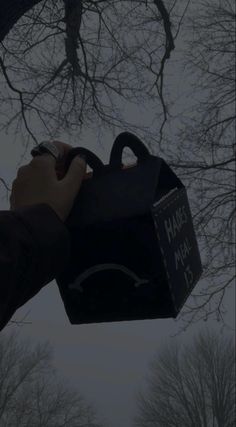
{"points": [[46, 147]]}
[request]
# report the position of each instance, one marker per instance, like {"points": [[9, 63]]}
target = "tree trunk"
{"points": [[11, 11]]}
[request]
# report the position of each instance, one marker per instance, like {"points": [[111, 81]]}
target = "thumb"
{"points": [[75, 174]]}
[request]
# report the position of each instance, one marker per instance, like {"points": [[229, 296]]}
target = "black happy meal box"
{"points": [[134, 253]]}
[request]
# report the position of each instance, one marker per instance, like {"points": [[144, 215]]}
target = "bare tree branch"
{"points": [[11, 12], [190, 385], [101, 65], [73, 18], [31, 394], [205, 153]]}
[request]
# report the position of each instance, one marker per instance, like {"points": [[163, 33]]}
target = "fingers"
{"points": [[60, 164], [47, 162], [43, 159], [12, 202], [22, 170], [63, 147], [75, 174]]}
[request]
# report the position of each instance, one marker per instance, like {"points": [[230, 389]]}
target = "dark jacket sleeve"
{"points": [[34, 249]]}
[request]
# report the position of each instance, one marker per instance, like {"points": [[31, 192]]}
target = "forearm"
{"points": [[34, 249]]}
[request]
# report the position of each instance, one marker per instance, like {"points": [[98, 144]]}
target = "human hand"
{"points": [[43, 180]]}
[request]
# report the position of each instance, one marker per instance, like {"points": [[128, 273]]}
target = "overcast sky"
{"points": [[106, 362]]}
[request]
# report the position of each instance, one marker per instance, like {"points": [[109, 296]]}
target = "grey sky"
{"points": [[106, 362]]}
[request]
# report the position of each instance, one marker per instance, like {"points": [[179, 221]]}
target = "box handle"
{"points": [[127, 139], [92, 160]]}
